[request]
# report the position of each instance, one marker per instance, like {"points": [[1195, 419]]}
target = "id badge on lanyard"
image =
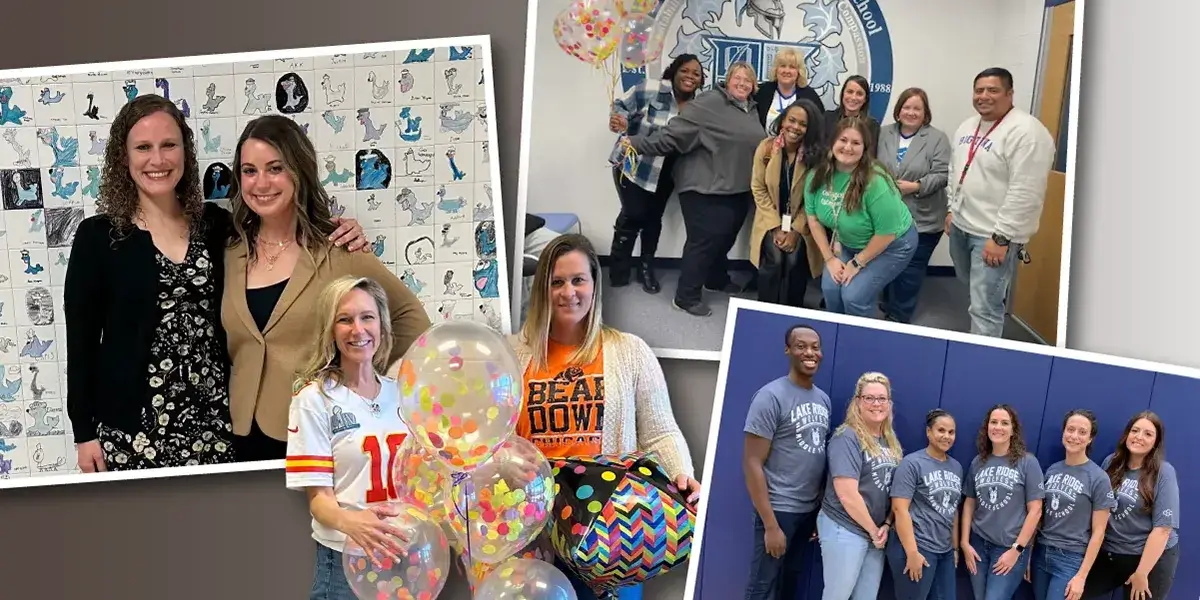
{"points": [[976, 142], [785, 223]]}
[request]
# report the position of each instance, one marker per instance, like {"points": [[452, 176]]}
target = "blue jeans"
{"points": [[778, 578], [860, 297], [988, 585], [329, 578], [900, 296], [853, 566], [1052, 569], [937, 579], [987, 286], [583, 592]]}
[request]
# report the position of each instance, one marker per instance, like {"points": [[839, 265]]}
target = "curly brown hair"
{"points": [[1016, 444], [314, 219], [867, 168], [118, 197]]}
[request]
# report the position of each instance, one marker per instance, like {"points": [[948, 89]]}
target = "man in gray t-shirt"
{"points": [[784, 461]]}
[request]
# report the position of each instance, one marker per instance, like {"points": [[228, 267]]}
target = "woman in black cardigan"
{"points": [[147, 382], [789, 82]]}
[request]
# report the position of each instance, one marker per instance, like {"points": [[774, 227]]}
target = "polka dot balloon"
{"points": [[504, 504], [526, 579], [419, 574], [460, 392]]}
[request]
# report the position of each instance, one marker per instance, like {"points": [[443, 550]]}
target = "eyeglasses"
{"points": [[875, 399]]}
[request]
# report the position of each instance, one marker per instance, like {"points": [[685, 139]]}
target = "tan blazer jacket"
{"points": [[264, 365], [765, 186]]}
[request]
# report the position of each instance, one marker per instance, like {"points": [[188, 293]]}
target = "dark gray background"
{"points": [[242, 535]]}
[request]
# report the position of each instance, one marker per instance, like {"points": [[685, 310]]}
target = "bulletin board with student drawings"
{"points": [[404, 145]]}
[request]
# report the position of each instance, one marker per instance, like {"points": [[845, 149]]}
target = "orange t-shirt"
{"points": [[563, 408]]}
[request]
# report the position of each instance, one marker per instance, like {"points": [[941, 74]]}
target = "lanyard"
{"points": [[976, 142]]}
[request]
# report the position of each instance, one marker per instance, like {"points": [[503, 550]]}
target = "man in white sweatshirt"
{"points": [[997, 186]]}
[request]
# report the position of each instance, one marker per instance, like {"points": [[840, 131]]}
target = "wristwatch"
{"points": [[1018, 547], [999, 239]]}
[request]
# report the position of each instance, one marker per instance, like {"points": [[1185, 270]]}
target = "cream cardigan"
{"points": [[637, 405]]}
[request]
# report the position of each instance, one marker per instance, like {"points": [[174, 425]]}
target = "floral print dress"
{"points": [[185, 419]]}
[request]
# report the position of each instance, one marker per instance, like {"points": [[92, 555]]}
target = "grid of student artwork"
{"points": [[403, 147]]}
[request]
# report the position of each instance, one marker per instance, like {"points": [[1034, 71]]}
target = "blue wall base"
{"points": [[744, 265]]}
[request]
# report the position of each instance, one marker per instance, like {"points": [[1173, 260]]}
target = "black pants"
{"points": [[779, 578], [782, 276], [712, 223], [641, 214], [1111, 570], [258, 446]]}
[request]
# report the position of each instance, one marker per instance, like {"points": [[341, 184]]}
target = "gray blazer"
{"points": [[927, 162]]}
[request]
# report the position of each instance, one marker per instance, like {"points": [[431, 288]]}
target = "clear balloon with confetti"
{"points": [[589, 30], [526, 579], [642, 40], [504, 504], [422, 482], [460, 392], [417, 570]]}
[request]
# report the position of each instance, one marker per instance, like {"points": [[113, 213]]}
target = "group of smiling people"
{"points": [[1075, 529]]}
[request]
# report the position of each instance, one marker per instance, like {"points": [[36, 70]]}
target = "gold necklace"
{"points": [[272, 258]]}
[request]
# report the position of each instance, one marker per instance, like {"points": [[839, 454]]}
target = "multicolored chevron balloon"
{"points": [[619, 521]]}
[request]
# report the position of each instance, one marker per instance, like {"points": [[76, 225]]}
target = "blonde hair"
{"points": [[535, 333], [854, 420], [788, 57], [742, 65], [323, 363]]}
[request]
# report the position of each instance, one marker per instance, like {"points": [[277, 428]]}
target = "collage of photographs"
{"points": [[742, 300]]}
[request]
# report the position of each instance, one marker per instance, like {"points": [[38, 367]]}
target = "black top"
{"points": [[262, 301], [109, 303], [766, 95]]}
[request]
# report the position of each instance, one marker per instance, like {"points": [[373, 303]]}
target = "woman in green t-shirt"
{"points": [[859, 221]]}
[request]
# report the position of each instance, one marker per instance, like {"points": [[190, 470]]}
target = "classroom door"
{"points": [[1035, 293]]}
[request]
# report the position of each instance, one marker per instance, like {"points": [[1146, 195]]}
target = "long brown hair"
{"points": [[535, 333], [1016, 445], [1151, 465], [868, 166], [118, 197], [314, 220]]}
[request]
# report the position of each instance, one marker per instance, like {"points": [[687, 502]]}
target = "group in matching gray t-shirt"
{"points": [[796, 420], [1002, 493], [934, 488], [1073, 493], [1129, 523], [874, 474]]}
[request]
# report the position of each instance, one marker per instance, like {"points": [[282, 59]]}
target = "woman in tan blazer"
{"points": [[275, 269], [779, 237]]}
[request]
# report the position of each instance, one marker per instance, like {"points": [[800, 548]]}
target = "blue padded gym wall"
{"points": [[963, 378]]}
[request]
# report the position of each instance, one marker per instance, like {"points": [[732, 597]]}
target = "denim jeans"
{"points": [[988, 585], [937, 579], [987, 286], [778, 578], [860, 297], [1053, 568], [900, 296], [853, 566], [583, 592], [329, 579]]}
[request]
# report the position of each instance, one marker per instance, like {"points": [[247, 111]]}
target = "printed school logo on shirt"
{"points": [[995, 486], [564, 405], [1062, 493], [942, 490], [811, 421], [1127, 497], [882, 467]]}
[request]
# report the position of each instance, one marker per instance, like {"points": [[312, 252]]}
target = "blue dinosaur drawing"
{"points": [[5, 466], [485, 239], [92, 189], [449, 205], [9, 389], [371, 133], [30, 267], [373, 172], [10, 114], [66, 149], [457, 123], [27, 193], [418, 56], [335, 122], [487, 278], [219, 192], [461, 52], [410, 279], [47, 98], [457, 173], [35, 347], [131, 90], [36, 224], [7, 447], [164, 85], [379, 245], [332, 175], [62, 190], [408, 125], [212, 145]]}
